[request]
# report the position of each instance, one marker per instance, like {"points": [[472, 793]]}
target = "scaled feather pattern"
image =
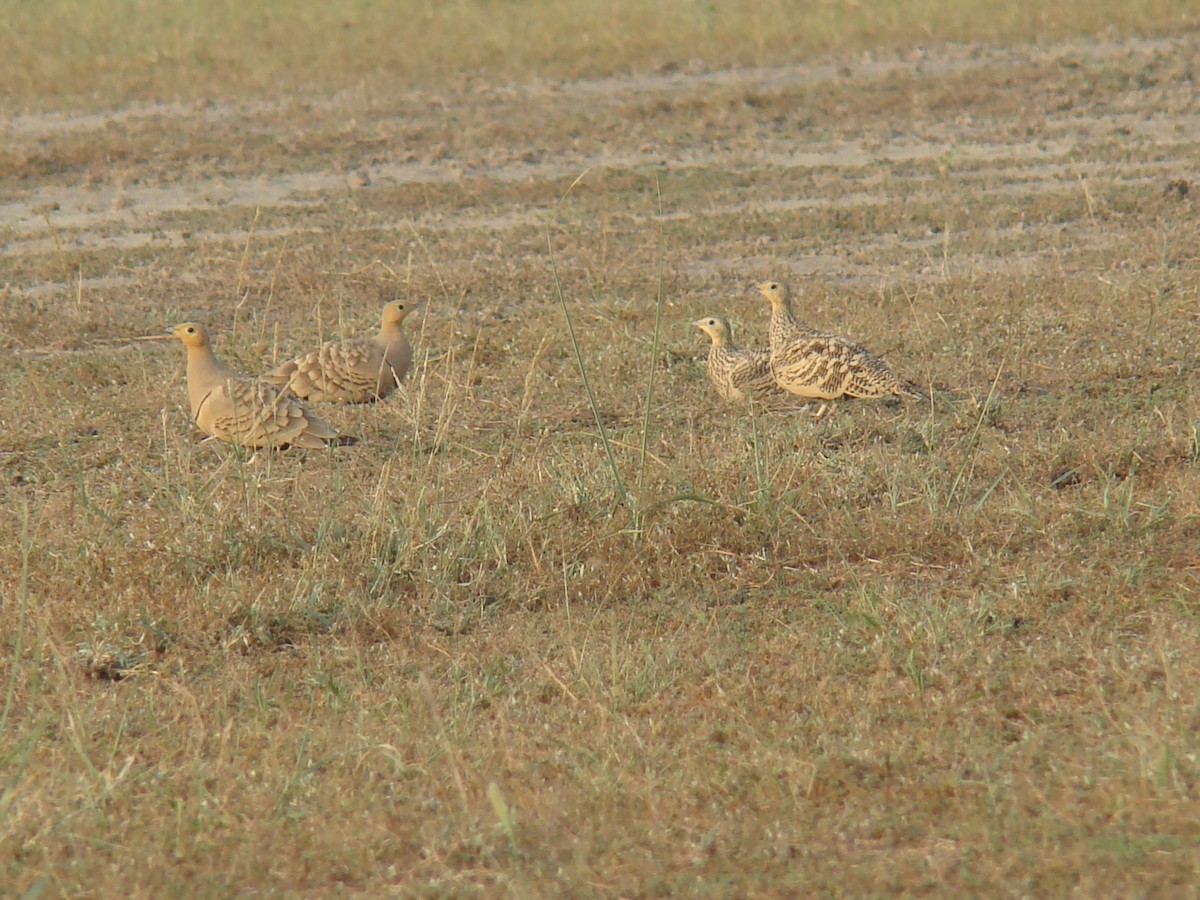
{"points": [[242, 410], [822, 366], [739, 374], [353, 371]]}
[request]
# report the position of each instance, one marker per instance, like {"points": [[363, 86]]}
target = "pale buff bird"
{"points": [[352, 371], [739, 374], [822, 366], [242, 410]]}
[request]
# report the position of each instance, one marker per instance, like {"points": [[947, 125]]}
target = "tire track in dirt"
{"points": [[945, 60], [72, 209], [1046, 180], [1068, 146], [74, 228], [75, 208]]}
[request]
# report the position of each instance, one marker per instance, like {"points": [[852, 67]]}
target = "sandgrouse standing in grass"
{"points": [[740, 374], [243, 410], [822, 366], [352, 371]]}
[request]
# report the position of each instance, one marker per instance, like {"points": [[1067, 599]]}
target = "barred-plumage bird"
{"points": [[242, 410], [822, 366], [740, 374], [353, 371]]}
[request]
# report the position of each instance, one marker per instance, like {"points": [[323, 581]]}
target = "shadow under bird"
{"points": [[245, 411], [358, 370], [741, 374], [820, 366]]}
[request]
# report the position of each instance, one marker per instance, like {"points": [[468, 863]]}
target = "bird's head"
{"points": [[716, 328], [395, 311], [192, 334], [775, 291]]}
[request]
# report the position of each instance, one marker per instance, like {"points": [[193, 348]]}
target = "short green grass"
{"points": [[522, 640]]}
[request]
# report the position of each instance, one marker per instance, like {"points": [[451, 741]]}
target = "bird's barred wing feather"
{"points": [[348, 371], [745, 374], [825, 367], [869, 377], [251, 413], [751, 371]]}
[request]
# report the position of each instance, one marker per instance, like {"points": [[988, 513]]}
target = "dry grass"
{"points": [[942, 648], [64, 53]]}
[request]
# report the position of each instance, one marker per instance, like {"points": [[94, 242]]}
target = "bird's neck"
{"points": [[722, 352], [204, 371], [782, 320], [389, 333]]}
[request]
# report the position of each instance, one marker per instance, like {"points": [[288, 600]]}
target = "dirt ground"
{"points": [[940, 648]]}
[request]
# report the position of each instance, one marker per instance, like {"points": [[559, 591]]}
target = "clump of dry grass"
{"points": [[897, 650]]}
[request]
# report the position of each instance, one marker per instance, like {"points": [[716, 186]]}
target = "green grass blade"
{"points": [[622, 495]]}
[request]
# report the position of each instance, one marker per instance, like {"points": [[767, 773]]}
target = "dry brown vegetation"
{"points": [[519, 642]]}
